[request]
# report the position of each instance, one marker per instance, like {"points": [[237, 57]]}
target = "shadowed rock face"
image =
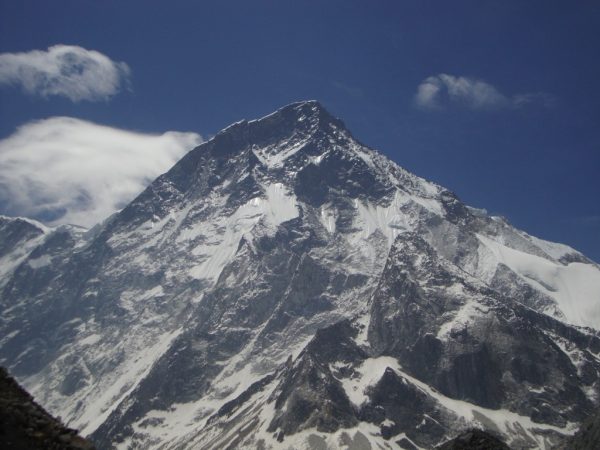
{"points": [[283, 285], [25, 425], [587, 437], [493, 361], [474, 440]]}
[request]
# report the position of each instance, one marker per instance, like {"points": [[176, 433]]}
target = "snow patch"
{"points": [[277, 206], [368, 373], [393, 219], [275, 156], [92, 339], [41, 261], [467, 313], [328, 218]]}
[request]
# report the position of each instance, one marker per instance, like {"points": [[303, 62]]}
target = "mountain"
{"points": [[285, 286]]}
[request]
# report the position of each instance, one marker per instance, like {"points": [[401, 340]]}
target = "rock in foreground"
{"points": [[25, 425]]}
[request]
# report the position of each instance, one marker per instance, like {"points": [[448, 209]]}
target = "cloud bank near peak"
{"points": [[441, 91], [63, 170], [64, 70]]}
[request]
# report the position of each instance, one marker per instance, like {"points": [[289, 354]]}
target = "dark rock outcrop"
{"points": [[474, 440], [588, 436], [26, 425]]}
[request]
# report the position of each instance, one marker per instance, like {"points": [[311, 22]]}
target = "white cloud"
{"points": [[64, 70], [539, 98], [68, 170], [427, 93], [442, 90]]}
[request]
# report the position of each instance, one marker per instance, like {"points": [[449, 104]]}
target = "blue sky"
{"points": [[508, 114]]}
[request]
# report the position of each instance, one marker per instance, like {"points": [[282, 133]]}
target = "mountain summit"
{"points": [[285, 286]]}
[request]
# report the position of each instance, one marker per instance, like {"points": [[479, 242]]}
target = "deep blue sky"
{"points": [[198, 66]]}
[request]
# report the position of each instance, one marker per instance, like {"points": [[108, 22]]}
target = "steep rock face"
{"points": [[469, 341], [284, 285]]}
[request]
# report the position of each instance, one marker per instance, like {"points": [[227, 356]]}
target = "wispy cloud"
{"points": [[64, 70], [352, 91], [443, 90], [68, 170]]}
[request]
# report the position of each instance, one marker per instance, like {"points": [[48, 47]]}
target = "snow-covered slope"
{"points": [[285, 286]]}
